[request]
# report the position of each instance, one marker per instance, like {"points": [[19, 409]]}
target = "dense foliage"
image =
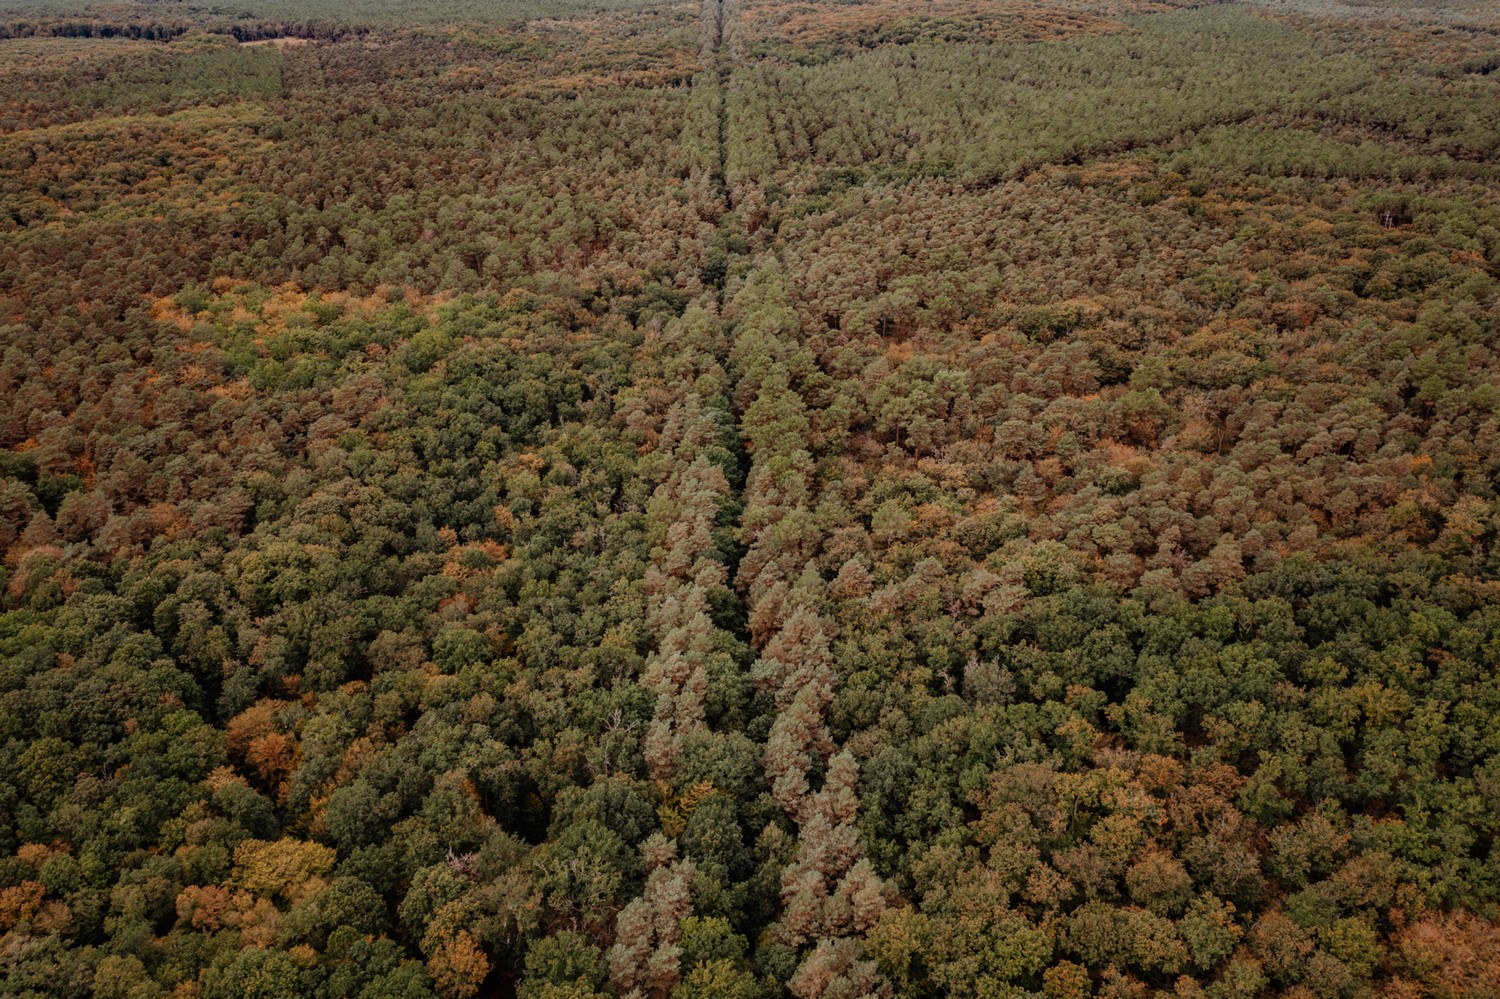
{"points": [[747, 499]]}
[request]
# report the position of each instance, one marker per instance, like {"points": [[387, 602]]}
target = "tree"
{"points": [[458, 966], [837, 970], [645, 959]]}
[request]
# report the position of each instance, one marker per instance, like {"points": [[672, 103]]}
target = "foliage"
{"points": [[747, 499]]}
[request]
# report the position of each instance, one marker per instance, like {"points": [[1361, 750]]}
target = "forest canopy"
{"points": [[839, 499]]}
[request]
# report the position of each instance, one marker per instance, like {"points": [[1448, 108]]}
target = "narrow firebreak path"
{"points": [[713, 81], [716, 15]]}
